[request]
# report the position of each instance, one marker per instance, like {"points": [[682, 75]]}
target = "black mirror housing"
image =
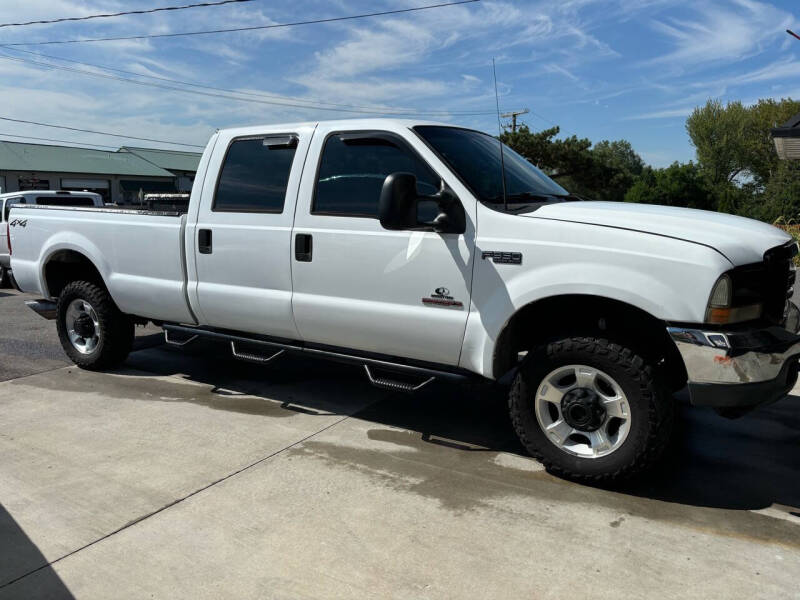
{"points": [[397, 208], [398, 205]]}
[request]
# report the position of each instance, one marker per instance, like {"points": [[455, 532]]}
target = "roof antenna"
{"points": [[500, 133]]}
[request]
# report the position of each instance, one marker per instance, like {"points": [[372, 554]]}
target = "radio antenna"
{"points": [[500, 133]]}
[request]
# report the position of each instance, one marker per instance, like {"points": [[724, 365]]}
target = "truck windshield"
{"points": [[475, 157]]}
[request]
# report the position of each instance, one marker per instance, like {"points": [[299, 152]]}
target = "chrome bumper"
{"points": [[739, 368]]}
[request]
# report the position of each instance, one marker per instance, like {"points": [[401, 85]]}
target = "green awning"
{"points": [[148, 187]]}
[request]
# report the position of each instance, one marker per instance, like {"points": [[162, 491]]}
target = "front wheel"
{"points": [[590, 409], [92, 330]]}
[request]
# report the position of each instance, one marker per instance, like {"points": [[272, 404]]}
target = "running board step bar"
{"points": [[396, 386], [406, 374], [256, 358]]}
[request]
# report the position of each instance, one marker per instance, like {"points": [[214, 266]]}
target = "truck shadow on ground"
{"points": [[20, 556], [749, 463]]}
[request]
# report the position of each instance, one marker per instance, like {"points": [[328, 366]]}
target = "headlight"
{"points": [[720, 310]]}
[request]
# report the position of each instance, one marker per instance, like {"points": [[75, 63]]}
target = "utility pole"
{"points": [[513, 115]]}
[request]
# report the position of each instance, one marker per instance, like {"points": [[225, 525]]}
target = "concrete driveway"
{"points": [[187, 475]]}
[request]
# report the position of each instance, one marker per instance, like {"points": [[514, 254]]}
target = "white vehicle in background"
{"points": [[405, 248], [38, 198]]}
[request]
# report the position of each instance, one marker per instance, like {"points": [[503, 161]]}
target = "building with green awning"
{"points": [[118, 175]]}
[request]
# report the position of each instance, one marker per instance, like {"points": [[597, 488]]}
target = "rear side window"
{"points": [[255, 174], [353, 168], [9, 202]]}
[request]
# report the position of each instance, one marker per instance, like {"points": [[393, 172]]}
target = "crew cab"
{"points": [[38, 197], [423, 251]]}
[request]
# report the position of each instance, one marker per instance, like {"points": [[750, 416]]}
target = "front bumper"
{"points": [[739, 369]]}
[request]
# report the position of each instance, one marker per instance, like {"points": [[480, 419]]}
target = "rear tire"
{"points": [[94, 333], [4, 278], [607, 415]]}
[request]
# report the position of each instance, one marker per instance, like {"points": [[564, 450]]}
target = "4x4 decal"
{"points": [[20, 222]]}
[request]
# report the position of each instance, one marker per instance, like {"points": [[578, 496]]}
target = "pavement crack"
{"points": [[174, 502]]}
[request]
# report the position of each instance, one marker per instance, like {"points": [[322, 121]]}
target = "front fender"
{"points": [[658, 288]]}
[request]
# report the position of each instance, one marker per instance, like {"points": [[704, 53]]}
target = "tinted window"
{"points": [[475, 156], [9, 202], [64, 201], [254, 175], [352, 171]]}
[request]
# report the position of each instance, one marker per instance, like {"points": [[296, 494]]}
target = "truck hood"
{"points": [[740, 240]]}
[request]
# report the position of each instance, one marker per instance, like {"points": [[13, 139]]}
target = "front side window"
{"points": [[354, 166], [255, 174], [475, 157]]}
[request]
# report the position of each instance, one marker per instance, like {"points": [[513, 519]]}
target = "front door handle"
{"points": [[303, 247], [204, 241]]}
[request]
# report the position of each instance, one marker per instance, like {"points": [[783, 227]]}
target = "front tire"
{"points": [[4, 279], [94, 333], [590, 410]]}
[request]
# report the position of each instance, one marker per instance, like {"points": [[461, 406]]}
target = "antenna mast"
{"points": [[500, 132]]}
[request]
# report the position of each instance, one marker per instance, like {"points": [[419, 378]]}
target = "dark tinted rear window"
{"points": [[64, 201], [254, 175]]}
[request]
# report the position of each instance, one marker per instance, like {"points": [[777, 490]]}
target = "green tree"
{"points": [[781, 197], [733, 139], [680, 184], [604, 171], [720, 137]]}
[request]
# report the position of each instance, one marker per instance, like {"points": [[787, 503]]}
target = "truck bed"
{"points": [[139, 253]]}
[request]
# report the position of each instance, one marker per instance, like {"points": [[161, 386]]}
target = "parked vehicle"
{"points": [[404, 247], [37, 197]]}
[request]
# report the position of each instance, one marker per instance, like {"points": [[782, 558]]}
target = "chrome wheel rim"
{"points": [[564, 400], [83, 326]]}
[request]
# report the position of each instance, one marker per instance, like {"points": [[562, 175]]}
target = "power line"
{"points": [[373, 108], [257, 98], [252, 28], [121, 14], [41, 139], [127, 137]]}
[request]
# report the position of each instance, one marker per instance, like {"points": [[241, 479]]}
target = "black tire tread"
{"points": [[116, 328], [660, 415]]}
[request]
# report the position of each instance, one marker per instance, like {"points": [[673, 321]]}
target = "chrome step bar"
{"points": [[396, 386], [256, 358]]}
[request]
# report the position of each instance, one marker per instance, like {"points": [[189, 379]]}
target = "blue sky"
{"points": [[630, 69]]}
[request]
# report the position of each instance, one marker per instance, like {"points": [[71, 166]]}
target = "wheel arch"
{"points": [[65, 265], [547, 319]]}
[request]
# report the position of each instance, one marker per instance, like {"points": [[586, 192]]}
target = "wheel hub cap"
{"points": [[84, 326], [582, 409]]}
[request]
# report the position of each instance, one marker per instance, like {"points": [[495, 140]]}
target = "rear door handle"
{"points": [[204, 241], [303, 247]]}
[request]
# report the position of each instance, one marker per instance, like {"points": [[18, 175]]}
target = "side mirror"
{"points": [[398, 206]]}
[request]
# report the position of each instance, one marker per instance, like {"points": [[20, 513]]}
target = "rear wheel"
{"points": [[590, 409], [92, 330]]}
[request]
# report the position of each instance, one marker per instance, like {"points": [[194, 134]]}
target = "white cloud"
{"points": [[720, 31]]}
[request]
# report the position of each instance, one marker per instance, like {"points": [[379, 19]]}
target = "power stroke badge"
{"points": [[441, 297]]}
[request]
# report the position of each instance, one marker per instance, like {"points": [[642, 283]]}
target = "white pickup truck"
{"points": [[405, 248]]}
